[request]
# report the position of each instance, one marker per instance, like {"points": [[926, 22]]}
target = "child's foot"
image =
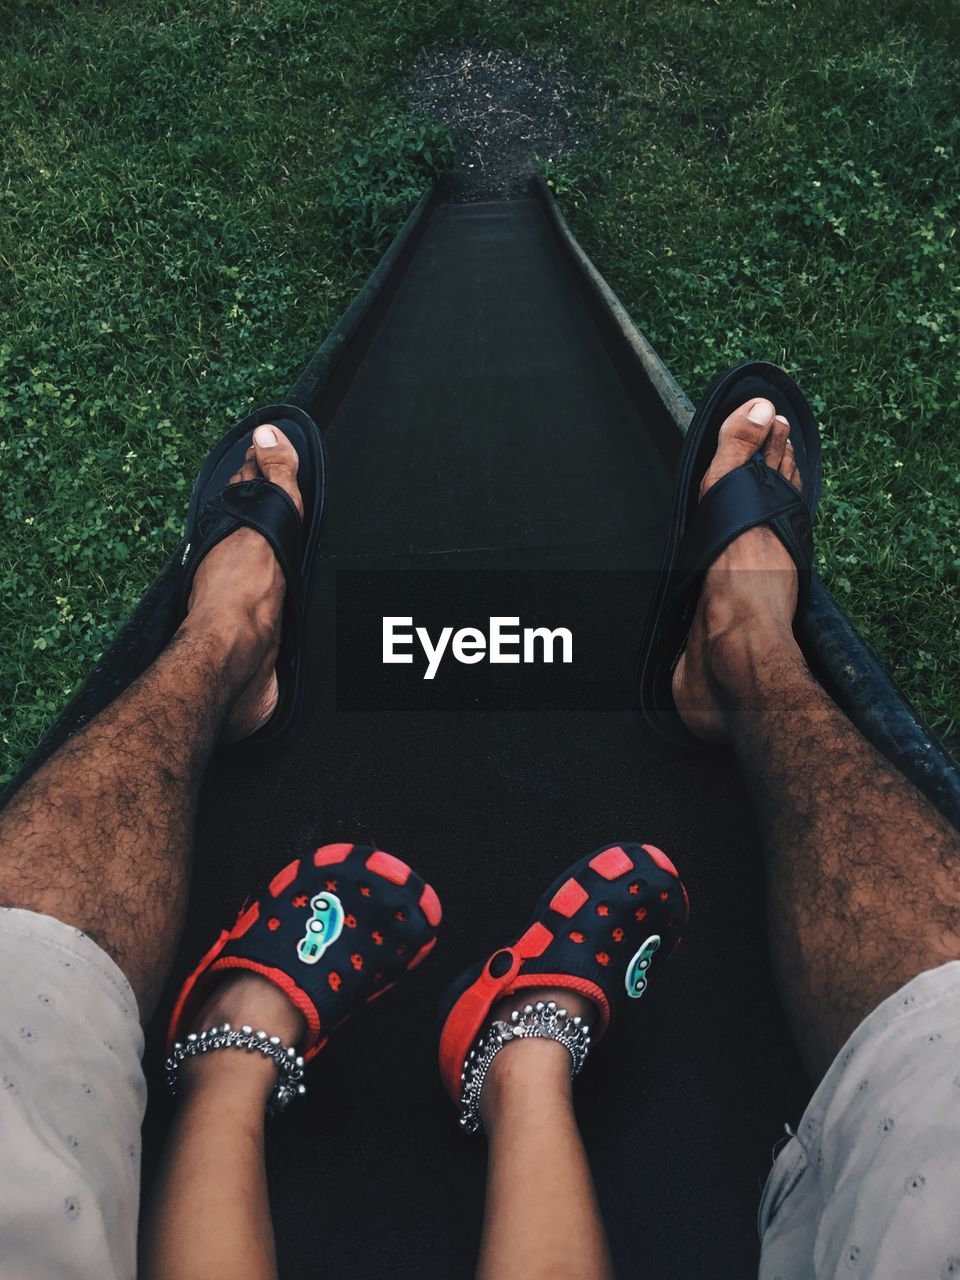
{"points": [[333, 929], [241, 998], [587, 948]]}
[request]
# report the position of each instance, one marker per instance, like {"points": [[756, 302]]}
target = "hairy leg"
{"points": [[863, 874], [542, 1218], [210, 1212], [100, 837]]}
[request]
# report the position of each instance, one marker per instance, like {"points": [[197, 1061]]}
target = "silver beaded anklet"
{"points": [[540, 1021], [289, 1063]]}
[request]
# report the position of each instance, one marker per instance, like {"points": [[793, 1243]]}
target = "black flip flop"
{"points": [[750, 495], [218, 508]]}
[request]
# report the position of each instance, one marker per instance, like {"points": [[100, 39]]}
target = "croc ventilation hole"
{"points": [[365, 890], [602, 958], [334, 980], [577, 936], [400, 915], [331, 885], [273, 924], [300, 900], [350, 921], [377, 936], [664, 895], [357, 961], [617, 935], [641, 914], [603, 909]]}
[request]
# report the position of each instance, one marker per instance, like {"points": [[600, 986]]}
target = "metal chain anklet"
{"points": [[540, 1021], [289, 1063]]}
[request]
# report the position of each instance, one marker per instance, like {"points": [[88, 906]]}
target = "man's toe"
{"points": [[276, 460], [776, 442], [742, 435], [788, 467]]}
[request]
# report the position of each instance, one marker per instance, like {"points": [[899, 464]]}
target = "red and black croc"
{"points": [[333, 928], [594, 931]]}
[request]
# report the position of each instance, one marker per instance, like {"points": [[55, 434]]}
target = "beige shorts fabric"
{"points": [[869, 1185], [72, 1097]]}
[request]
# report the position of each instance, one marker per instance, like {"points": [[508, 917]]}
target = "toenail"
{"points": [[265, 437], [761, 414], [782, 420]]}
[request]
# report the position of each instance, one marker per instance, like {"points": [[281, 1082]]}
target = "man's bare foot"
{"points": [[749, 596], [239, 588]]}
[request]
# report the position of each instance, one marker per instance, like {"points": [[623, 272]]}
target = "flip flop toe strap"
{"points": [[253, 504], [751, 495]]}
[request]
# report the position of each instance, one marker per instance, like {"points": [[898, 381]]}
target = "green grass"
{"points": [[192, 193], [782, 181]]}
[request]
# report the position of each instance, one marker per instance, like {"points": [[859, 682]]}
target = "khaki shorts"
{"points": [[72, 1097], [869, 1185]]}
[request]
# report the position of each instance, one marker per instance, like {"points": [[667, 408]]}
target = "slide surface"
{"points": [[486, 429]]}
